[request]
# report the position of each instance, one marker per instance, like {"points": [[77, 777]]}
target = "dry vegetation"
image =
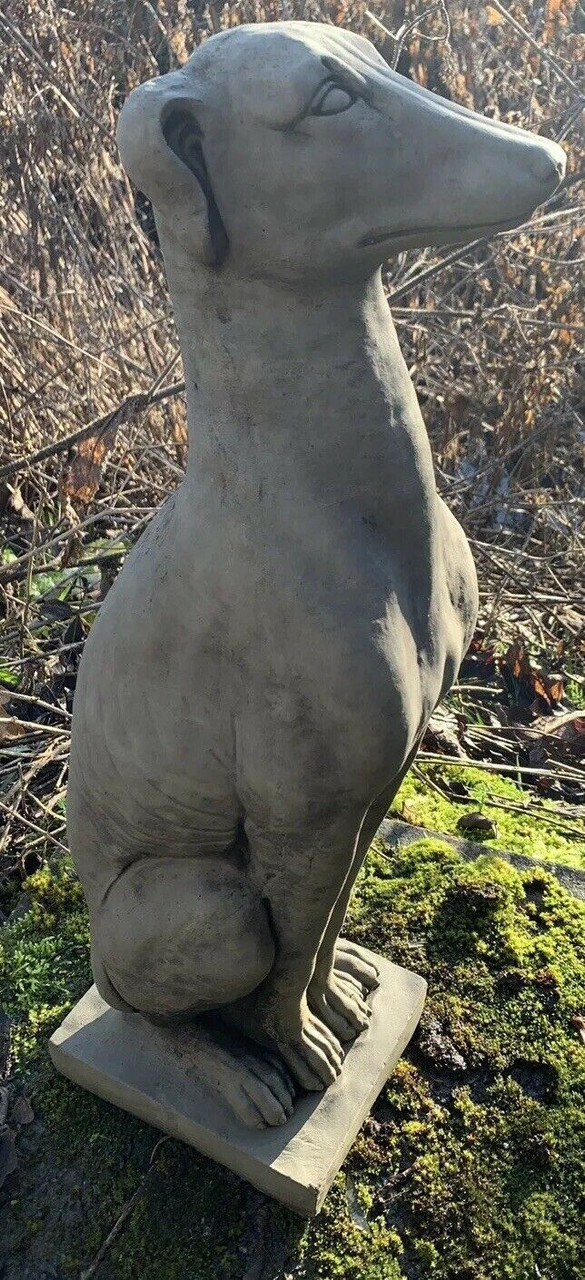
{"points": [[468, 1181], [492, 334]]}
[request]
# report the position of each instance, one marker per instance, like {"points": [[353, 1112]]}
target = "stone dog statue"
{"points": [[260, 675]]}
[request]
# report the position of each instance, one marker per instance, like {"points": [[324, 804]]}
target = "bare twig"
{"points": [[122, 1218], [128, 408], [539, 48]]}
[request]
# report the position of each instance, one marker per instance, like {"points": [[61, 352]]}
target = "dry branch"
{"points": [[128, 408]]}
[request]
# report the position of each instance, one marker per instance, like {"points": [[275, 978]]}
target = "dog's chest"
{"points": [[339, 661]]}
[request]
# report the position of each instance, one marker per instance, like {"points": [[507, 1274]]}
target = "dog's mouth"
{"points": [[463, 232]]}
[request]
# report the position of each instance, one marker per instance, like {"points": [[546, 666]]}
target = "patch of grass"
{"points": [[468, 1173], [517, 832], [575, 691]]}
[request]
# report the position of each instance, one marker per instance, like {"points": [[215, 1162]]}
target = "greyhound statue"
{"points": [[260, 675]]}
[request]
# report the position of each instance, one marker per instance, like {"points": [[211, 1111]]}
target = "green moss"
{"points": [[337, 1245], [44, 957], [421, 804], [471, 1167], [496, 1151]]}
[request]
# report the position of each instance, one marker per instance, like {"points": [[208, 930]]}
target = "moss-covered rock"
{"points": [[423, 800], [471, 1166]]}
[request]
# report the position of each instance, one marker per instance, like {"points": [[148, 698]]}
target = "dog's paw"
{"points": [[339, 1002], [310, 1049], [259, 1090], [351, 960]]}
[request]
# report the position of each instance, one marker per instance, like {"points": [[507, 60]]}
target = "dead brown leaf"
{"points": [[442, 733], [563, 738], [526, 682], [409, 813], [10, 729], [18, 504], [84, 475]]}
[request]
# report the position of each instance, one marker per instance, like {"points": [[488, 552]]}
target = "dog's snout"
{"points": [[473, 174], [547, 163], [560, 162]]}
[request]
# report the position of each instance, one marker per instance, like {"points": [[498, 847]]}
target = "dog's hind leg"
{"points": [[174, 937]]}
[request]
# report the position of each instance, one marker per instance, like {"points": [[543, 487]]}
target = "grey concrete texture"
{"points": [[150, 1073], [262, 671]]}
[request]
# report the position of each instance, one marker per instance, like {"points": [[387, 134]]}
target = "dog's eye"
{"points": [[331, 100]]}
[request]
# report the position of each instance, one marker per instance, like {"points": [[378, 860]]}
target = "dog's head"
{"points": [[293, 149]]}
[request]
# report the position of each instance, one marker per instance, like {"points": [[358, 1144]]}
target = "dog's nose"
{"points": [[548, 163]]}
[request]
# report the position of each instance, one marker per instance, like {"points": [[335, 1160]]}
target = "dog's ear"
{"points": [[183, 135], [161, 147]]}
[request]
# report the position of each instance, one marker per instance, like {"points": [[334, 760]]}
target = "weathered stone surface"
{"points": [[260, 674], [123, 1059]]}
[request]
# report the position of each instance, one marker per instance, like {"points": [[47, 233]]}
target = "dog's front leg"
{"points": [[343, 974], [300, 873]]}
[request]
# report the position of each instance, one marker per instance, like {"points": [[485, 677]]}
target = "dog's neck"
{"points": [[300, 389]]}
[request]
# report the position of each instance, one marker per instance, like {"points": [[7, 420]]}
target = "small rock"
{"points": [[436, 1045], [22, 1112], [579, 1024], [476, 824], [356, 1212]]}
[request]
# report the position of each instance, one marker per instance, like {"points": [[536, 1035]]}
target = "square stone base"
{"points": [[119, 1057]]}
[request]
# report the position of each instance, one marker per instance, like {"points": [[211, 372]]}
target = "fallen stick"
{"points": [[123, 1216], [133, 403]]}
